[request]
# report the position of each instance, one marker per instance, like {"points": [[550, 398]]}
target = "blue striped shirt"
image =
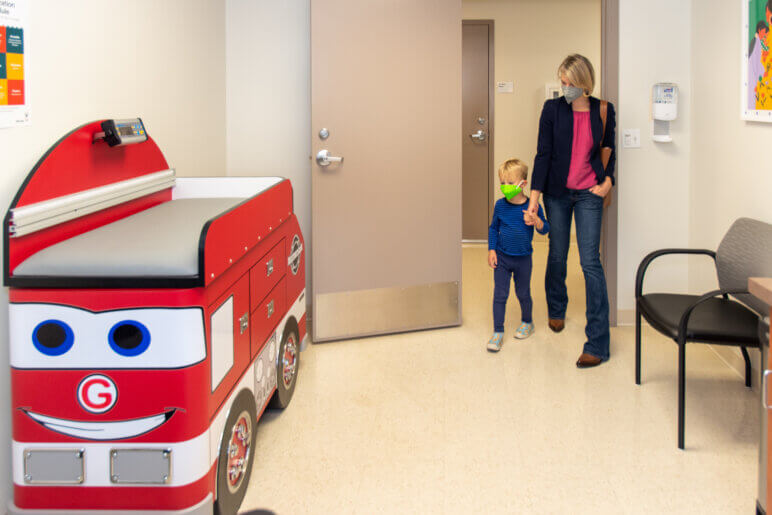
{"points": [[508, 232]]}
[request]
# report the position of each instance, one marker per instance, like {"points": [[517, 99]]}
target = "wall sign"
{"points": [[14, 103], [505, 86]]}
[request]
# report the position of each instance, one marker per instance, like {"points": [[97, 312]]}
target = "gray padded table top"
{"points": [[158, 242]]}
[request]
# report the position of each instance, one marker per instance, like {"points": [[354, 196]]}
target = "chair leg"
{"points": [[637, 345], [681, 392], [747, 366]]}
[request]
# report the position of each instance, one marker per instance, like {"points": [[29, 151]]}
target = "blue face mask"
{"points": [[571, 93]]}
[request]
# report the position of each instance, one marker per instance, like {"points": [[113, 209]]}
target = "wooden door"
{"points": [[386, 89], [477, 128]]}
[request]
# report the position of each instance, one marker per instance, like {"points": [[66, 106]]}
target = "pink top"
{"points": [[580, 174]]}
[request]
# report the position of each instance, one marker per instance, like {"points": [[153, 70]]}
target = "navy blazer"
{"points": [[556, 136]]}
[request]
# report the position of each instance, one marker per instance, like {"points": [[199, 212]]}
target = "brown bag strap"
{"points": [[603, 116]]}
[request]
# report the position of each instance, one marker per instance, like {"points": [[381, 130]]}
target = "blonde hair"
{"points": [[513, 170], [579, 71]]}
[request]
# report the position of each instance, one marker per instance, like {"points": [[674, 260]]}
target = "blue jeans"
{"points": [[519, 269], [588, 209]]}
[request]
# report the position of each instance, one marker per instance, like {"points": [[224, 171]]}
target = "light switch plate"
{"points": [[631, 138]]}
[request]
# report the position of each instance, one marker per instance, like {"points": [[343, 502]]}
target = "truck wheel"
{"points": [[287, 364], [237, 448]]}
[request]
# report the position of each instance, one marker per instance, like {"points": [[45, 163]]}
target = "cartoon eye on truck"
{"points": [[152, 321]]}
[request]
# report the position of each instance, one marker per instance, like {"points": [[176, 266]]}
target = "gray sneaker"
{"points": [[524, 331], [494, 344]]}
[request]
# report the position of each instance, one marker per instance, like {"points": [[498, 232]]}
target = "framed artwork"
{"points": [[756, 91]]}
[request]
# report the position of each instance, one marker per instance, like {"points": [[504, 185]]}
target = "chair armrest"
{"points": [[662, 252], [684, 323]]}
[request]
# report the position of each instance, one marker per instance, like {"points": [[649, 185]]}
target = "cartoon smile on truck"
{"points": [[152, 321]]}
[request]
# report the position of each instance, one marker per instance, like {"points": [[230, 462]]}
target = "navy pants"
{"points": [[587, 208], [519, 268]]}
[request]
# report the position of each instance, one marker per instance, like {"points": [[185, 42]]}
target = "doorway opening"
{"points": [[530, 42]]}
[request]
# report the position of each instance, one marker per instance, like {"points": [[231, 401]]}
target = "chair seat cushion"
{"points": [[716, 320]]}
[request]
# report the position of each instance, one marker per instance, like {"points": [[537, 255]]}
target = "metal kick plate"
{"points": [[54, 466], [141, 466], [385, 310]]}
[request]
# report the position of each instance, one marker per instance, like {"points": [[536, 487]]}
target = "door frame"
{"points": [[609, 88], [491, 98]]}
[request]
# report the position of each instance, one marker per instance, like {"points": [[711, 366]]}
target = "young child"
{"points": [[509, 249]]}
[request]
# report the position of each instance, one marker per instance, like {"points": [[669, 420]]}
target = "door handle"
{"points": [[243, 323], [764, 390], [270, 309], [323, 158], [479, 135]]}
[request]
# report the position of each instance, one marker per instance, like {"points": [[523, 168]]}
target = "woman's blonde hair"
{"points": [[513, 170], [579, 71]]}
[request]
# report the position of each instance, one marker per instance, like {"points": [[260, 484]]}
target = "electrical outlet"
{"points": [[631, 138]]}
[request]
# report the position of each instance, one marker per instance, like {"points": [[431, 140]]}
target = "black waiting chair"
{"points": [[715, 318]]}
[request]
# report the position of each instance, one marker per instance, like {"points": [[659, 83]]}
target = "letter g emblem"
{"points": [[97, 393]]}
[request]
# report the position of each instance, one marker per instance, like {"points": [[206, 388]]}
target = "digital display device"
{"points": [[124, 132]]}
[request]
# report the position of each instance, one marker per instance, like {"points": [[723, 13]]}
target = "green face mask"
{"points": [[511, 190]]}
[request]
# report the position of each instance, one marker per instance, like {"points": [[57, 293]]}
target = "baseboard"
{"points": [[625, 317], [734, 360]]}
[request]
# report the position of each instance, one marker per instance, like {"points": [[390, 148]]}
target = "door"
{"points": [[229, 341], [476, 128], [386, 98]]}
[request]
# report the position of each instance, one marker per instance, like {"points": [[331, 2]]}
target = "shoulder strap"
{"points": [[603, 115]]}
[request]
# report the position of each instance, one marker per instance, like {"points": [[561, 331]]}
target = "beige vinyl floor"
{"points": [[429, 422]]}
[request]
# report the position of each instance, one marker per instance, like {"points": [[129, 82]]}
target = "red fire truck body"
{"points": [[147, 337]]}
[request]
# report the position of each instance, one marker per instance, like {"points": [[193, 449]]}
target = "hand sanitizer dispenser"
{"points": [[664, 108]]}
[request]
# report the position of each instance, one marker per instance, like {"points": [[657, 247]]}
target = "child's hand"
{"points": [[492, 259], [529, 218]]}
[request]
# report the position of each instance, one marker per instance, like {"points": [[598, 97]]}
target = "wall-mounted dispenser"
{"points": [[664, 108]]}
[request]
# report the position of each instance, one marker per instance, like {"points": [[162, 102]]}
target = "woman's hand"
{"points": [[602, 190], [492, 259]]}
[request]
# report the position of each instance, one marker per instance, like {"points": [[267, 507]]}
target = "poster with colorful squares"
{"points": [[14, 101]]}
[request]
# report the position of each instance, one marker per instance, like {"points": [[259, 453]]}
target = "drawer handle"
{"points": [[270, 309], [269, 268], [244, 322], [764, 387]]}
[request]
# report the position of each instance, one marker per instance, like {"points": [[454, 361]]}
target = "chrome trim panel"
{"points": [[54, 466], [141, 466]]}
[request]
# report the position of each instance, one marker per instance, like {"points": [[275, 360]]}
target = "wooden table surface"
{"points": [[761, 287]]}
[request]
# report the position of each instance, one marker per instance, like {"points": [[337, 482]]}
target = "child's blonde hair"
{"points": [[578, 70], [513, 170]]}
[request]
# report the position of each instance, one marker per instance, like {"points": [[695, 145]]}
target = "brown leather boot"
{"points": [[556, 324], [588, 360]]}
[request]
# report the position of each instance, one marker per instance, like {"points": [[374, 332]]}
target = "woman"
{"points": [[569, 172]]}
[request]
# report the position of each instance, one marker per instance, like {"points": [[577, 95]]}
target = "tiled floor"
{"points": [[430, 422]]}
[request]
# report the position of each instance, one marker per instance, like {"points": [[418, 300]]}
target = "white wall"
{"points": [[731, 165], [654, 180], [731, 171], [173, 76], [269, 97]]}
